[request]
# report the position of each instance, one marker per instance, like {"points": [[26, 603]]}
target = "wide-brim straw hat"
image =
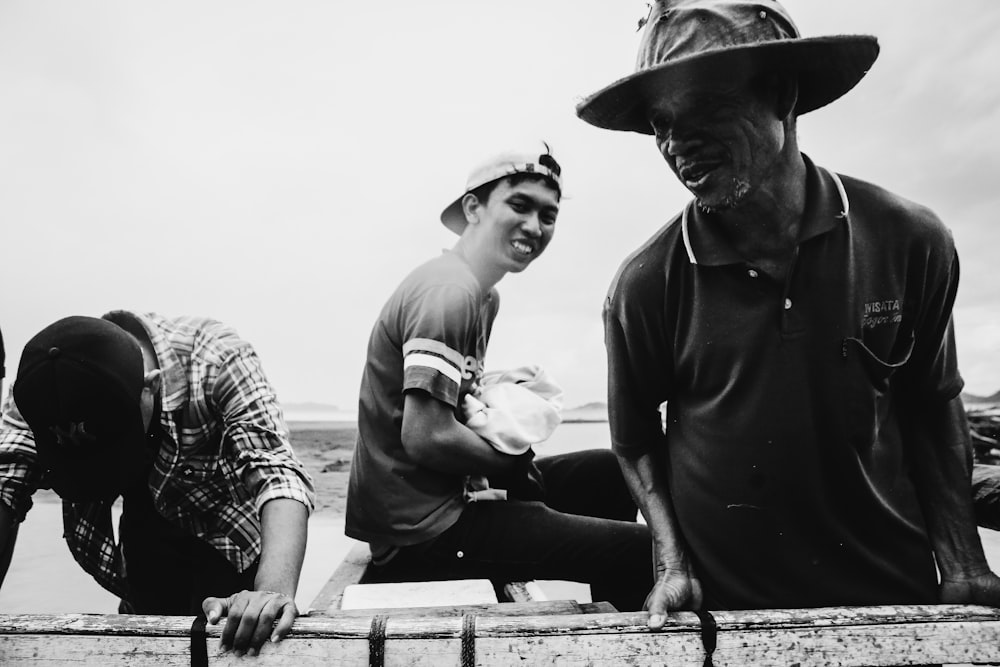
{"points": [[691, 41]]}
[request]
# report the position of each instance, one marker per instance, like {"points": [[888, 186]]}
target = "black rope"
{"points": [[469, 640], [199, 642], [709, 635], [376, 641]]}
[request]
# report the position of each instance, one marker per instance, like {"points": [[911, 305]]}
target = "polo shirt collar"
{"points": [[826, 207]]}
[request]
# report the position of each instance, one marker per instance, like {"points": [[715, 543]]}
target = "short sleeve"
{"points": [[639, 376], [932, 373], [441, 330]]}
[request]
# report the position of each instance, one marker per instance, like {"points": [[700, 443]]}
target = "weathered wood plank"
{"points": [[833, 646], [523, 591], [839, 637], [42, 651], [551, 621], [545, 609]]}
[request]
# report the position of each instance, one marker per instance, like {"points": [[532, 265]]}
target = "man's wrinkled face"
{"points": [[721, 139]]}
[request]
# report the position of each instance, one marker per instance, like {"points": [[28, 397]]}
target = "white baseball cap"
{"points": [[531, 159]]}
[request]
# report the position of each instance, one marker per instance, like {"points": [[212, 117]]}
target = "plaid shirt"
{"points": [[225, 451]]}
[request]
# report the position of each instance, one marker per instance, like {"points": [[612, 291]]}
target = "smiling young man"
{"points": [[410, 494], [797, 324]]}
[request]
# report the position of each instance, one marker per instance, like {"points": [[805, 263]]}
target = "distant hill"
{"points": [[310, 406], [589, 412], [970, 399], [311, 411]]}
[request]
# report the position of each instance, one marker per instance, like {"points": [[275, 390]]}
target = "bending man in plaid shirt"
{"points": [[175, 417]]}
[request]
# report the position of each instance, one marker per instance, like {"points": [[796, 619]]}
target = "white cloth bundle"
{"points": [[514, 409]]}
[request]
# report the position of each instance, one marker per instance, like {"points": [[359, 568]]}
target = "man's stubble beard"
{"points": [[739, 191]]}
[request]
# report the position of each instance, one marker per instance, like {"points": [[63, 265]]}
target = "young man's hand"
{"points": [[250, 617]]}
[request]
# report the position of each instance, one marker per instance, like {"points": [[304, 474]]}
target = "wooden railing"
{"points": [[843, 637]]}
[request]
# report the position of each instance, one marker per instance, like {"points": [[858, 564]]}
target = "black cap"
{"points": [[83, 374]]}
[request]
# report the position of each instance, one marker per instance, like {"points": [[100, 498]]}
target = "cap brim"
{"points": [[453, 217], [826, 67]]}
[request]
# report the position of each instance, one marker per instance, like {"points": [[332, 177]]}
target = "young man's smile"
{"points": [[516, 223]]}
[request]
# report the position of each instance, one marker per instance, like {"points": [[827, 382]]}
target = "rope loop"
{"points": [[376, 641]]}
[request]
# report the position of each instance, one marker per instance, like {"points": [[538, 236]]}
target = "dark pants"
{"points": [[582, 529], [169, 570]]}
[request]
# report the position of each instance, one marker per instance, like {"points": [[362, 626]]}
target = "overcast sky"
{"points": [[281, 166]]}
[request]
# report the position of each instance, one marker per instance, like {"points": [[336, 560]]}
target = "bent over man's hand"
{"points": [[250, 619]]}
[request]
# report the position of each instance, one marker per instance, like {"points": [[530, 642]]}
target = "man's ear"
{"points": [[152, 381], [470, 208], [787, 96]]}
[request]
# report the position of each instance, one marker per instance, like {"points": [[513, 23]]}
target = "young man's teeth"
{"points": [[522, 247]]}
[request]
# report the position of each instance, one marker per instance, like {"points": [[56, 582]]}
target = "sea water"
{"points": [[574, 436]]}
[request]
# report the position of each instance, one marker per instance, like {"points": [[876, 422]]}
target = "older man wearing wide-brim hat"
{"points": [[797, 324]]}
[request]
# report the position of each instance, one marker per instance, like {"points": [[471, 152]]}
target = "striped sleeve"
{"points": [[439, 350]]}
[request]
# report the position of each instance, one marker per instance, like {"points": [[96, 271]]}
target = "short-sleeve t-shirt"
{"points": [[788, 400], [431, 336]]}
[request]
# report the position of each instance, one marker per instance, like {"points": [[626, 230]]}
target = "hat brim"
{"points": [[826, 68], [453, 217]]}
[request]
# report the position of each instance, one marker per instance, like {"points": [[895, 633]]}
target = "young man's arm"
{"points": [[676, 585], [432, 436]]}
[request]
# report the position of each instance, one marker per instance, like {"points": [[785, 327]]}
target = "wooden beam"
{"points": [[834, 637], [523, 591]]}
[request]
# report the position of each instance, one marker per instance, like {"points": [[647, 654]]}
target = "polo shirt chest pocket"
{"points": [[866, 391]]}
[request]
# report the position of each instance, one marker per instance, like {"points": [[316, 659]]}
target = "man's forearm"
{"points": [[942, 472], [432, 436], [645, 481], [461, 451], [284, 525]]}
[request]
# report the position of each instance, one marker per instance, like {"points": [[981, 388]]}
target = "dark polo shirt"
{"points": [[788, 401]]}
